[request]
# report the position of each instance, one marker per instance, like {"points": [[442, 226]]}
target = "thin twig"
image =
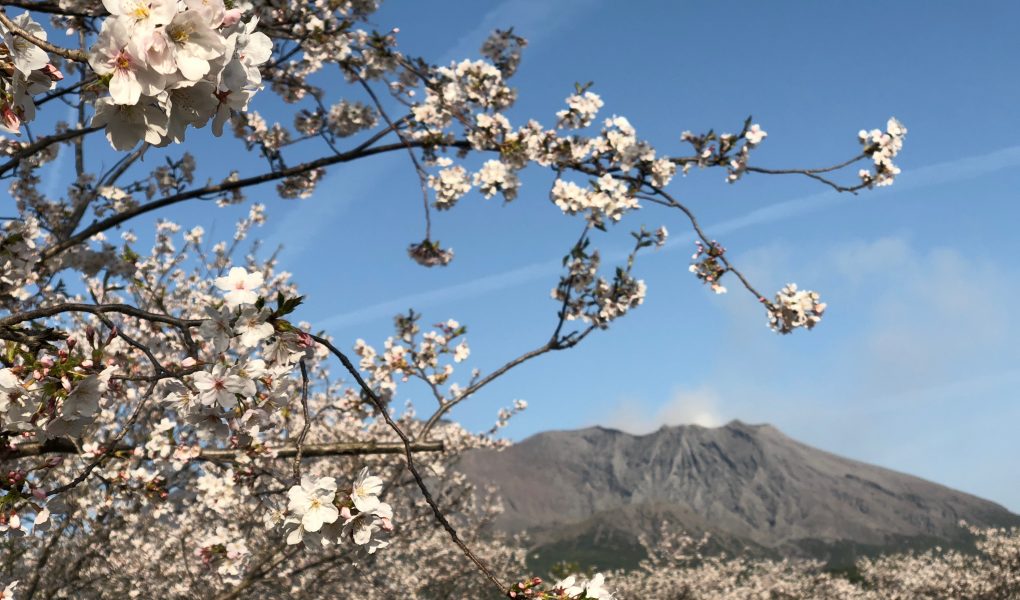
{"points": [[307, 421], [409, 458]]}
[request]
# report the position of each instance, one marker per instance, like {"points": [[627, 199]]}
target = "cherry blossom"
{"points": [[118, 54], [26, 56], [240, 286], [312, 501]]}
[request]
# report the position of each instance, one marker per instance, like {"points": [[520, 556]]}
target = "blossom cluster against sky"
{"points": [[915, 365]]}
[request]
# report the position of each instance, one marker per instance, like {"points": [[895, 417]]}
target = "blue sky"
{"points": [[915, 365]]}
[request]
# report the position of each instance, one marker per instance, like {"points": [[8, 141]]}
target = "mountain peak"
{"points": [[747, 483]]}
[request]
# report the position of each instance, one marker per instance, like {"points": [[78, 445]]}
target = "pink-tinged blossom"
{"points": [[216, 329], [240, 286], [252, 326], [221, 386], [119, 54], [212, 11]]}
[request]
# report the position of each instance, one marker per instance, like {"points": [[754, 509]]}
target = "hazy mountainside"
{"points": [[587, 494]]}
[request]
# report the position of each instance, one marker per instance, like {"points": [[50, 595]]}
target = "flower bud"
{"points": [[52, 72], [231, 17], [10, 118]]}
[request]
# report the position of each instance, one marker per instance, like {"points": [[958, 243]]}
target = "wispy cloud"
{"points": [[939, 173], [534, 19]]}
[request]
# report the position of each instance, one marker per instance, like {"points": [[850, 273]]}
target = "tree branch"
{"points": [[66, 446], [75, 55], [440, 517]]}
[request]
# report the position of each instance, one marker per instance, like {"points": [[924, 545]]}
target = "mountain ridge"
{"points": [[749, 485]]}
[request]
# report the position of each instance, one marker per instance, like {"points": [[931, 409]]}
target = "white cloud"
{"points": [[698, 406]]}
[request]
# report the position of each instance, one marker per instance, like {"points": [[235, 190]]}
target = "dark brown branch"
{"points": [[52, 8], [45, 142], [96, 309], [361, 151], [440, 517], [66, 446], [672, 202], [75, 55]]}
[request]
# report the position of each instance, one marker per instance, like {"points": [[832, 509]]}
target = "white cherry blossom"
{"points": [[25, 55], [312, 501], [240, 286]]}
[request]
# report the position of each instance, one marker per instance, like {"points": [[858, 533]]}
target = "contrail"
{"points": [[944, 172]]}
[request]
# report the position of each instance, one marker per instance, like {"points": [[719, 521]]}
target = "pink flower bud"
{"points": [[52, 72], [189, 362], [39, 493], [10, 119], [231, 17]]}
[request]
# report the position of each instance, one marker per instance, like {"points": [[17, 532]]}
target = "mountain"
{"points": [[586, 495]]}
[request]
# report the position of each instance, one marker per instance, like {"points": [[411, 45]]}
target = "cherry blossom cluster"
{"points": [[19, 254], [794, 308], [882, 147], [607, 197], [503, 49], [224, 550], [450, 184], [319, 514], [752, 136], [572, 587], [992, 572], [25, 71], [582, 108], [725, 149], [23, 504], [681, 566], [428, 356], [707, 265], [459, 90], [428, 253], [593, 299], [59, 393], [171, 65]]}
